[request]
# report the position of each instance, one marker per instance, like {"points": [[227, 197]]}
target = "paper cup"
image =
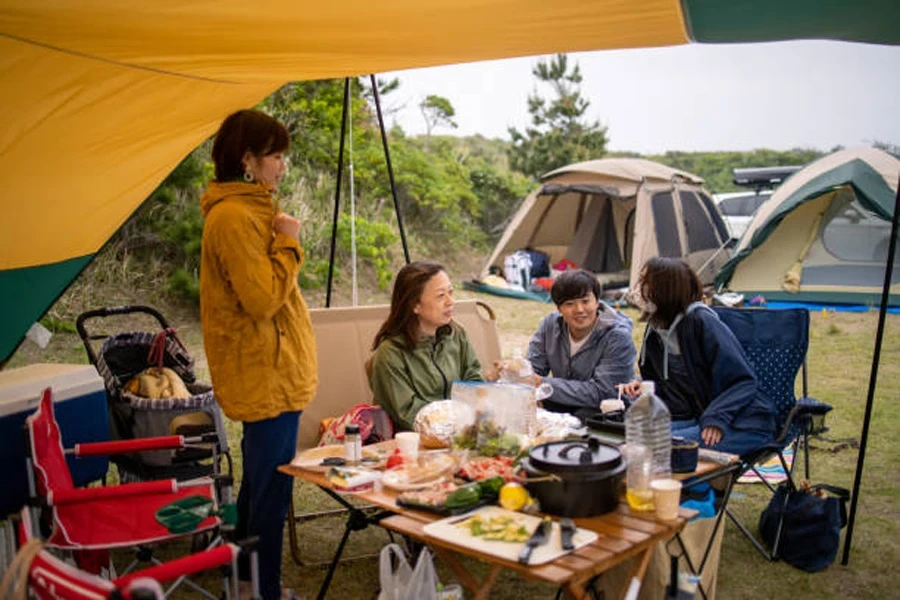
{"points": [[666, 497], [408, 442]]}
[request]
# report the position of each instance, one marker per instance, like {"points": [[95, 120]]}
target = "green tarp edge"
{"points": [[871, 190], [736, 21], [27, 294]]}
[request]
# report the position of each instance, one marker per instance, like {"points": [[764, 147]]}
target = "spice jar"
{"points": [[352, 444]]}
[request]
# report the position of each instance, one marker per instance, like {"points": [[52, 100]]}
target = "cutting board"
{"points": [[448, 530]]}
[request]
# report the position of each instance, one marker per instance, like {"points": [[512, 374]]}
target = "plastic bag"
{"points": [[405, 583]]}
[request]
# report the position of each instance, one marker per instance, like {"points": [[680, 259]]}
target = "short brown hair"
{"points": [[408, 288], [671, 285], [574, 284], [243, 131]]}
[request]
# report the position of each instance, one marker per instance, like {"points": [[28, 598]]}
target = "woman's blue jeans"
{"points": [[735, 441], [264, 495]]}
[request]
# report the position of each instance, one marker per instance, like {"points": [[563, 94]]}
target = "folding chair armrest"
{"points": [[811, 406], [188, 565], [169, 442], [81, 495]]}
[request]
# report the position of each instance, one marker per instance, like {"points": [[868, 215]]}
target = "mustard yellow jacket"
{"points": [[256, 326]]}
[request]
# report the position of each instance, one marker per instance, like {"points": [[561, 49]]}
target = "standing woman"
{"points": [[256, 327], [698, 365], [419, 350]]}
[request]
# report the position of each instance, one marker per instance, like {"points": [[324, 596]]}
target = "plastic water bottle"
{"points": [[648, 437]]}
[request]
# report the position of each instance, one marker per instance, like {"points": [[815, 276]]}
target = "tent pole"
{"points": [[873, 377], [337, 191], [390, 169]]}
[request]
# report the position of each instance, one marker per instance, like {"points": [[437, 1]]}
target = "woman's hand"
{"points": [[286, 224], [493, 373], [630, 389], [711, 435]]}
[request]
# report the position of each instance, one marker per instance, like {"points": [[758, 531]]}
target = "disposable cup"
{"points": [[408, 442], [666, 496]]}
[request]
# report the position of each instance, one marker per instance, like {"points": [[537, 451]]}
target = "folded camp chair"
{"points": [[775, 343], [47, 577], [91, 521]]}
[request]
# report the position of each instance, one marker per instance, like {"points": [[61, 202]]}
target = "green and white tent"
{"points": [[823, 235]]}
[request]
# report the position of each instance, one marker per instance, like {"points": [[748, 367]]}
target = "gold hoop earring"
{"points": [[248, 176]]}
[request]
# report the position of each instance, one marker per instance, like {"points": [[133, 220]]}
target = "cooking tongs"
{"points": [[540, 536]]}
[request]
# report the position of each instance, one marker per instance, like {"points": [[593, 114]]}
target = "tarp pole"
{"points": [[337, 192], [873, 377], [390, 169]]}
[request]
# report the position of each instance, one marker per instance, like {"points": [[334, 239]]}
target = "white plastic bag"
{"points": [[403, 582]]}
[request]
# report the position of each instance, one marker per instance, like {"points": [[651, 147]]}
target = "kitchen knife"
{"points": [[567, 531], [540, 536]]}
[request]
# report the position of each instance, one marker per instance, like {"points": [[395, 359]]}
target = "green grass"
{"points": [[839, 365]]}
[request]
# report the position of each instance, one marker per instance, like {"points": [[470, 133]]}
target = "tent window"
{"points": [[701, 235], [714, 214], [666, 227], [858, 235], [743, 206]]}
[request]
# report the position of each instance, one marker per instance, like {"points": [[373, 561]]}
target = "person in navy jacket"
{"points": [[699, 367]]}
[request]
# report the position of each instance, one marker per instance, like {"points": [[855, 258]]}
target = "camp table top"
{"points": [[622, 534]]}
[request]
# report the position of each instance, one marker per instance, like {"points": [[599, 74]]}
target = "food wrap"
{"points": [[439, 422]]}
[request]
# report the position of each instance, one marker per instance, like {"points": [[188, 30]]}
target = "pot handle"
{"points": [[586, 454]]}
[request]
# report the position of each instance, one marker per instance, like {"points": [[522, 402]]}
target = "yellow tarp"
{"points": [[102, 98]]}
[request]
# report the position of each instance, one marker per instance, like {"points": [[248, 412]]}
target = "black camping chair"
{"points": [[775, 343]]}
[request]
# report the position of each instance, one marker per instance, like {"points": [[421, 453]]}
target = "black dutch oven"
{"points": [[575, 478]]}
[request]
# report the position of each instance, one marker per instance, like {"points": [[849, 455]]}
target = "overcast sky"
{"points": [[697, 97]]}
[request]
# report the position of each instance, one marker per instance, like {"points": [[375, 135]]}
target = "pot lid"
{"points": [[575, 456]]}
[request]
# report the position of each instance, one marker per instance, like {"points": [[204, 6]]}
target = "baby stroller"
{"points": [[122, 356]]}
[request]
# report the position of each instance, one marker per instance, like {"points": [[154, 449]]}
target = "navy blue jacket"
{"points": [[722, 378], [606, 359]]}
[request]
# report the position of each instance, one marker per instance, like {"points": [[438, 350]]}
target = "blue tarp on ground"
{"points": [[477, 286], [835, 307]]}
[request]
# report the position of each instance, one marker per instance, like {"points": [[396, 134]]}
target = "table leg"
{"points": [[479, 589], [633, 588]]}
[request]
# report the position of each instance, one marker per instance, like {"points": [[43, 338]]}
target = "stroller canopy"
{"points": [[103, 99]]}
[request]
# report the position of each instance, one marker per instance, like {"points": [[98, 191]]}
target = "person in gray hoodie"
{"points": [[585, 345]]}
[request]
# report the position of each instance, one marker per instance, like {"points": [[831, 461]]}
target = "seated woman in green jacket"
{"points": [[419, 350]]}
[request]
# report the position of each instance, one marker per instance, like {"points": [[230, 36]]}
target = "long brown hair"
{"points": [[671, 285], [408, 287]]}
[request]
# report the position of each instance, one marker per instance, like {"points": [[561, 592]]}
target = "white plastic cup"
{"points": [[408, 442], [666, 497]]}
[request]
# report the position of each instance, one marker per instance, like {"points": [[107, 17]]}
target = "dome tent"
{"points": [[611, 215], [823, 235]]}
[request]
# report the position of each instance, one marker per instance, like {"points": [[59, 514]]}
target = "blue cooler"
{"points": [[79, 400]]}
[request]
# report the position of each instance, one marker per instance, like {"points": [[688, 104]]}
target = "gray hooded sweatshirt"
{"points": [[606, 359]]}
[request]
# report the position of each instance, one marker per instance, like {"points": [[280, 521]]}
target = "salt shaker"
{"points": [[352, 444]]}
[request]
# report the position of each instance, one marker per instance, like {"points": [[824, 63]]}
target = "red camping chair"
{"points": [[102, 518], [49, 578]]}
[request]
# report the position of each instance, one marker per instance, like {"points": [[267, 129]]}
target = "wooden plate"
{"points": [[311, 459]]}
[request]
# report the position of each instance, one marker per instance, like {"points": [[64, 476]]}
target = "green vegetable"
{"points": [[490, 488], [465, 497]]}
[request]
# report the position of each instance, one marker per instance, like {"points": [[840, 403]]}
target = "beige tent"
{"points": [[611, 215], [823, 235]]}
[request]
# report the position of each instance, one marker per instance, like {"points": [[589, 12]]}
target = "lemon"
{"points": [[514, 496]]}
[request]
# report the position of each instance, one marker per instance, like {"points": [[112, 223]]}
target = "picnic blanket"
{"points": [[771, 470]]}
